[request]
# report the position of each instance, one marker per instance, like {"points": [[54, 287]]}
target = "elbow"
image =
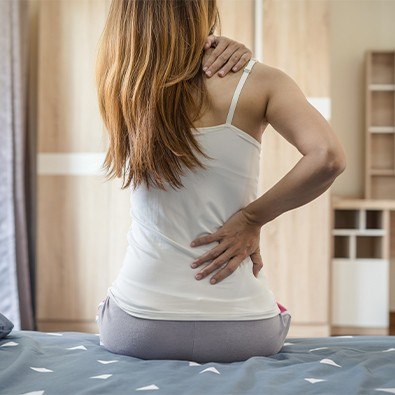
{"points": [[333, 162]]}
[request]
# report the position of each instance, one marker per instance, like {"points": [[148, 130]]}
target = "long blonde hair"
{"points": [[149, 63]]}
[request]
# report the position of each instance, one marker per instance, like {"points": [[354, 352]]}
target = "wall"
{"points": [[296, 244], [355, 26]]}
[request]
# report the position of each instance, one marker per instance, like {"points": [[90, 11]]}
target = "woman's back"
{"points": [[252, 100], [156, 280]]}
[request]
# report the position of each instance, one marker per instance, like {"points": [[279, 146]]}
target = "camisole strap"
{"points": [[236, 94]]}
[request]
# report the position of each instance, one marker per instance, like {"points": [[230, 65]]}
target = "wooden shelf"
{"points": [[364, 229], [382, 172], [380, 125], [381, 87], [352, 202], [381, 129], [351, 232]]}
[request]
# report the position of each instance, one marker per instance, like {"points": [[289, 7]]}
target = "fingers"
{"points": [[236, 61], [211, 254], [228, 54], [232, 265], [217, 263], [205, 239], [229, 57], [243, 59], [212, 63]]}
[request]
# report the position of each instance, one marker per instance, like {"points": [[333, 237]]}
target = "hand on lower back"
{"points": [[238, 239]]}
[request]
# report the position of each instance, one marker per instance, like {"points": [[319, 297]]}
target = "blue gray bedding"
{"points": [[41, 363]]}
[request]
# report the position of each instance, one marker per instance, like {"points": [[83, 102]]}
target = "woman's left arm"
{"points": [[227, 55]]}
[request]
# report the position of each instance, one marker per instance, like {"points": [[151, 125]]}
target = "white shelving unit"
{"points": [[360, 273]]}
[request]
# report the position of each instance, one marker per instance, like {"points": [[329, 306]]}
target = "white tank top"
{"points": [[156, 280]]}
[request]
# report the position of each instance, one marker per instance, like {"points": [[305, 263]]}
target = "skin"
{"points": [[291, 115]]}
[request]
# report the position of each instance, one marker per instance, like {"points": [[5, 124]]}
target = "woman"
{"points": [[188, 147]]}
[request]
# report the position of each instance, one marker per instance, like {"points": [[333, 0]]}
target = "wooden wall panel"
{"points": [[237, 20], [82, 220], [82, 238], [68, 117], [296, 245]]}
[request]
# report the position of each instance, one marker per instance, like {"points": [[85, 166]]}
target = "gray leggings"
{"points": [[197, 341]]}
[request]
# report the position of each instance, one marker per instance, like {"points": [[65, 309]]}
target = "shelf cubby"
{"points": [[342, 247], [382, 102], [346, 219], [369, 247], [382, 69], [374, 219], [382, 151], [383, 187]]}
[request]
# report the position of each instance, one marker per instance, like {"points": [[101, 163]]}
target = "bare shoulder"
{"points": [[261, 68], [276, 84], [272, 78], [264, 80], [264, 74]]}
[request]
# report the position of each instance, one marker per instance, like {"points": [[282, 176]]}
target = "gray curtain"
{"points": [[17, 169]]}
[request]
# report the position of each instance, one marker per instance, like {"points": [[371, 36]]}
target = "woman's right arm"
{"points": [[291, 115]]}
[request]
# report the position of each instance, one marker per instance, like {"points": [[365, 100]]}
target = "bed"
{"points": [[55, 363]]}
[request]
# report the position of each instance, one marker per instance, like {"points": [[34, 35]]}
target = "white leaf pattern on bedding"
{"points": [[148, 387], [41, 370], [319, 348], [76, 348], [33, 393], [9, 344], [388, 390], [329, 362], [106, 362], [311, 380], [210, 370], [101, 376]]}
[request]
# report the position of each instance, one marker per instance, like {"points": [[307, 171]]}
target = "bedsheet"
{"points": [[56, 363]]}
